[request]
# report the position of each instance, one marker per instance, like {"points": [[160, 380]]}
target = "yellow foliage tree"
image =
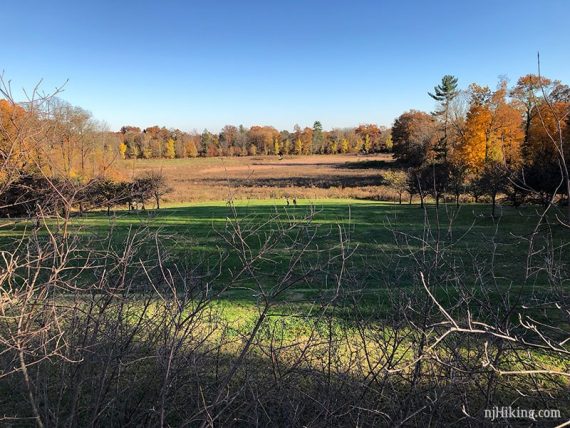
{"points": [[287, 147], [334, 147], [298, 147], [169, 149], [123, 150], [191, 149]]}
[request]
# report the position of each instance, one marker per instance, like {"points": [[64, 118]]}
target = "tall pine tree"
{"points": [[444, 93], [318, 138]]}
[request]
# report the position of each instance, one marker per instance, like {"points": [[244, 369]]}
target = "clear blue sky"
{"points": [[203, 64]]}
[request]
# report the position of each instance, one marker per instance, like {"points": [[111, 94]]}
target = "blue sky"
{"points": [[204, 64]]}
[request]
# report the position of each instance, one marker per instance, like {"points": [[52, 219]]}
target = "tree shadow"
{"points": [[369, 164], [322, 182]]}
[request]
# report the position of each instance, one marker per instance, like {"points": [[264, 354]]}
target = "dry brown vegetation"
{"points": [[263, 177]]}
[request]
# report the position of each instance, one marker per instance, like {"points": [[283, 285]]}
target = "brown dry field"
{"points": [[268, 177]]}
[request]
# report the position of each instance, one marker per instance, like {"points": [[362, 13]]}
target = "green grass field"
{"points": [[389, 244], [324, 317], [384, 238]]}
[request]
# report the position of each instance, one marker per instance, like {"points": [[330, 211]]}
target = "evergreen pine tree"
{"points": [[444, 93]]}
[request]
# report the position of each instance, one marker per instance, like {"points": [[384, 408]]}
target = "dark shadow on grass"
{"points": [[369, 164], [323, 182], [293, 164]]}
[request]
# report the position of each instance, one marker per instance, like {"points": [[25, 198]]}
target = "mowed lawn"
{"points": [[388, 243]]}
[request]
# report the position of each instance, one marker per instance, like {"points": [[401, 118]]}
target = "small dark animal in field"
{"points": [[295, 201], [287, 200]]}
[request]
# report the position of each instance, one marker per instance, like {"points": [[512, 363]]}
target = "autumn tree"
{"points": [[306, 138], [263, 137], [87, 133], [169, 151], [413, 136], [65, 135], [15, 153], [528, 92], [385, 143], [545, 152], [370, 137], [155, 139], [51, 154], [179, 144], [191, 147], [131, 137], [398, 180], [544, 104], [285, 142], [492, 131], [228, 138], [123, 150], [298, 146]]}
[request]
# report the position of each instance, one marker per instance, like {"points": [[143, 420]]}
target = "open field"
{"points": [[382, 235], [263, 177]]}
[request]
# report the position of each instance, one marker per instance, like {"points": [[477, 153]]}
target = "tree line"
{"points": [[483, 141], [55, 158], [157, 142], [479, 141]]}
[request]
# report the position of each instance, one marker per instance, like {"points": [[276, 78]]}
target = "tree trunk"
{"points": [[567, 197]]}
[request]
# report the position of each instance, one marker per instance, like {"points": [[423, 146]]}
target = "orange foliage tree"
{"points": [[413, 137], [548, 127], [492, 132], [527, 94], [263, 138], [15, 149]]}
